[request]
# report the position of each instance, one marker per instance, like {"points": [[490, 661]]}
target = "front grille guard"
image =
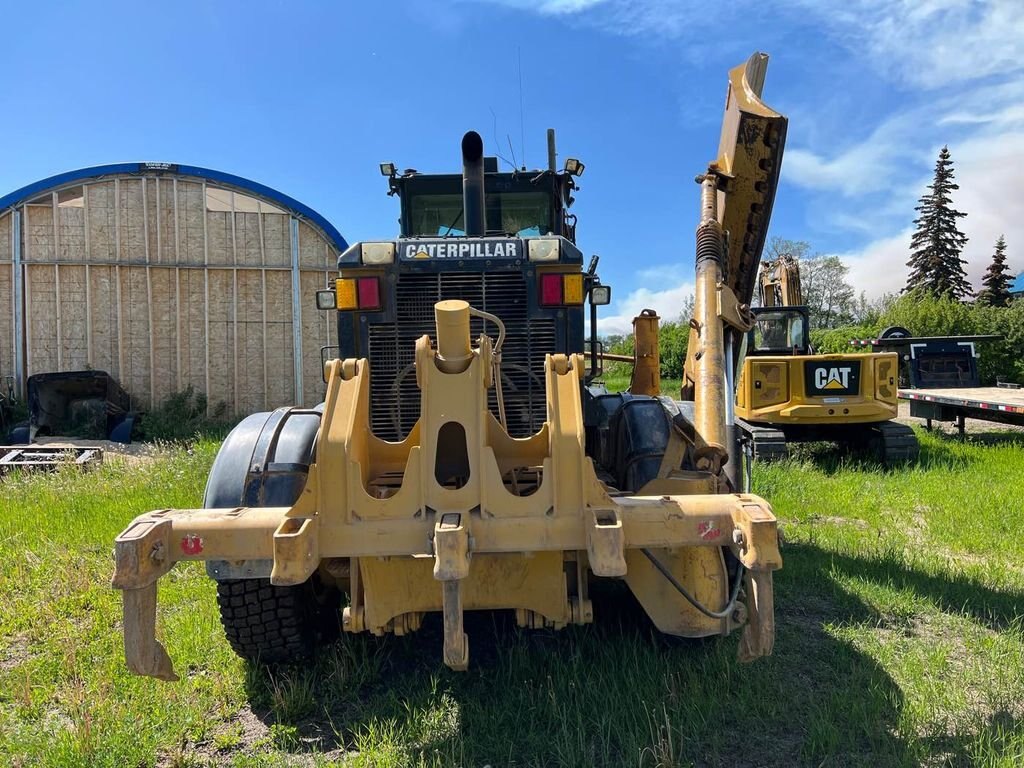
{"points": [[395, 396]]}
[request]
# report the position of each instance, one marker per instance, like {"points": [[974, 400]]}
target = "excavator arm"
{"points": [[780, 283]]}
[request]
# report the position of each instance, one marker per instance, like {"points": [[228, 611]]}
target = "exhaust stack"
{"points": [[473, 184]]}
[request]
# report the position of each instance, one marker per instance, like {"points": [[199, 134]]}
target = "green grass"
{"points": [[617, 380], [899, 643]]}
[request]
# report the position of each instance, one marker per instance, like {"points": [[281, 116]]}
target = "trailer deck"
{"points": [[999, 404]]}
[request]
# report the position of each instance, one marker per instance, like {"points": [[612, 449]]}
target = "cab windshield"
{"points": [[513, 213], [779, 332]]}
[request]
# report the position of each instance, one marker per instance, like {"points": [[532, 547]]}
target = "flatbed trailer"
{"points": [[943, 378], [1002, 404]]}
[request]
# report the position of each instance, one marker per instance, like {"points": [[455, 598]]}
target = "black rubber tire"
{"points": [[264, 622], [274, 625]]}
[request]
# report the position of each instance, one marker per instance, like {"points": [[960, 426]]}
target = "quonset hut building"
{"points": [[166, 276]]}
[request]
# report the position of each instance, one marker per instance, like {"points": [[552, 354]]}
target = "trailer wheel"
{"points": [[273, 625], [895, 332]]}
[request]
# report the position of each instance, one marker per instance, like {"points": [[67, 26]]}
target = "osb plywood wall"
{"points": [[6, 297], [165, 283]]}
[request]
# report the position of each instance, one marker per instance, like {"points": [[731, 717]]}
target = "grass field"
{"points": [[899, 642]]}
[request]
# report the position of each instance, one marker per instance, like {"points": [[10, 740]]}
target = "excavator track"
{"points": [[894, 443]]}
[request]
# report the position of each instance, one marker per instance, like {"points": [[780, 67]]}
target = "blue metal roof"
{"points": [[1017, 284], [138, 169]]}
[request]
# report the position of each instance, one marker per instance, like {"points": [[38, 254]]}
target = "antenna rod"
{"points": [[551, 149], [522, 130]]}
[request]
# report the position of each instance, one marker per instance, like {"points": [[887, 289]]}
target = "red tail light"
{"points": [[368, 289], [550, 290]]}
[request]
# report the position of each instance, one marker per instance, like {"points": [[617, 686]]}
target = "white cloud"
{"points": [[668, 303], [551, 7], [858, 169], [656, 273], [567, 6], [1010, 115], [929, 43], [988, 170], [906, 139], [880, 266]]}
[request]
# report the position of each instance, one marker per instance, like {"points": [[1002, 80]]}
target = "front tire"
{"points": [[264, 622], [274, 625]]}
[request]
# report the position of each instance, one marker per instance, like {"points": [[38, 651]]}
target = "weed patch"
{"points": [[183, 416]]}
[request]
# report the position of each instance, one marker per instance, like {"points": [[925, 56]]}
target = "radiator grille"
{"points": [[395, 397]]}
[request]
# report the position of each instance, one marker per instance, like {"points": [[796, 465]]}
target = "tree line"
{"points": [[935, 266], [938, 300]]}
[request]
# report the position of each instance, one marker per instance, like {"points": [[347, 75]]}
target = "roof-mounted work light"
{"points": [[574, 167]]}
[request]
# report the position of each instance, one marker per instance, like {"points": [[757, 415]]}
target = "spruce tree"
{"points": [[935, 263], [996, 280]]}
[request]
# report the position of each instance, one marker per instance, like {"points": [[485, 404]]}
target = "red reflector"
{"points": [[550, 290], [369, 292]]}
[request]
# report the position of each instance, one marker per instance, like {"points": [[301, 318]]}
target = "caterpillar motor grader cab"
{"points": [[788, 393], [449, 470]]}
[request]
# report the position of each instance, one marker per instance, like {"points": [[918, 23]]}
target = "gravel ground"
{"points": [[132, 452], [970, 425]]}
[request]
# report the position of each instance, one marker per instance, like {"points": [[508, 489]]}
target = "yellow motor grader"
{"points": [[462, 461]]}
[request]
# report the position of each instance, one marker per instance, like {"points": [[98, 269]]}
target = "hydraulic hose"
{"points": [[499, 395], [734, 593]]}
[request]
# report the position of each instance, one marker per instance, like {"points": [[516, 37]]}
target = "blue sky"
{"points": [[309, 97]]}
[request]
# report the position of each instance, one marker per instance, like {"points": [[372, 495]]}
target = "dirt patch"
{"points": [[855, 522], [961, 663], [916, 527], [15, 654], [302, 746], [133, 453]]}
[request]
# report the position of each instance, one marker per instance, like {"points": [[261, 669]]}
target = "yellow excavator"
{"points": [[788, 393], [463, 460]]}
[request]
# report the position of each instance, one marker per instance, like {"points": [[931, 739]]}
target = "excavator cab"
{"points": [[780, 331]]}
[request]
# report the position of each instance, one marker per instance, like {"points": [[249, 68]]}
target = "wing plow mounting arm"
{"points": [[748, 166]]}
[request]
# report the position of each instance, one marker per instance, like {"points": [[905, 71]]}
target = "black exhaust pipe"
{"points": [[473, 184]]}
